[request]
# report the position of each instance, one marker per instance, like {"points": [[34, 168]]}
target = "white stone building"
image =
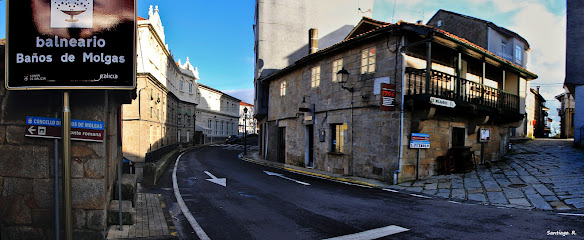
{"points": [[247, 122], [217, 115], [163, 111]]}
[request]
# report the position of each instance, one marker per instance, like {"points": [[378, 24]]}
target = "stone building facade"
{"points": [[574, 81], [281, 29], [566, 113], [163, 112], [217, 114], [495, 39], [27, 169], [317, 121]]}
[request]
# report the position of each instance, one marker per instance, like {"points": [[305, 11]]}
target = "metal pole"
{"points": [[245, 133], [120, 192], [67, 165], [418, 166], [57, 220], [482, 153]]}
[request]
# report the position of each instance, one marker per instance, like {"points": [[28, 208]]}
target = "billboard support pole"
{"points": [[67, 164], [57, 220]]}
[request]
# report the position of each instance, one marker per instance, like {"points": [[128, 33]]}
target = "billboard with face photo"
{"points": [[70, 44]]}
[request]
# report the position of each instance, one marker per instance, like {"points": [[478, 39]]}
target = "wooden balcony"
{"points": [[446, 86]]}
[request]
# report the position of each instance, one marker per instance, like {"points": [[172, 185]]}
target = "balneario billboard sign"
{"points": [[71, 44]]}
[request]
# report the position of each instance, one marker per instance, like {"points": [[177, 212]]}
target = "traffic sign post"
{"points": [[81, 130], [419, 140], [66, 44]]}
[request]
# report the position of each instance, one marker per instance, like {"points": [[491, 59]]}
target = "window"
{"points": [[216, 127], [518, 54], [283, 89], [368, 60], [503, 46], [190, 87], [337, 66], [337, 138], [439, 23], [180, 85], [315, 77], [179, 121], [210, 126], [222, 132]]}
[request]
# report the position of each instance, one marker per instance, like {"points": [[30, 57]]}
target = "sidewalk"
{"points": [[544, 174], [152, 221]]}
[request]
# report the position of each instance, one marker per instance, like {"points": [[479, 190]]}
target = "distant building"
{"points": [[574, 71], [540, 123], [246, 122], [462, 96], [217, 114], [566, 113], [498, 40], [163, 112], [281, 31]]}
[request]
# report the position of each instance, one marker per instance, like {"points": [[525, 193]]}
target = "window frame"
{"points": [[518, 54], [366, 60], [315, 77], [337, 144], [283, 88], [337, 66]]}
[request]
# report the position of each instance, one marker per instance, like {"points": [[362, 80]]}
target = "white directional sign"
{"points": [[287, 178], [442, 102], [220, 181]]}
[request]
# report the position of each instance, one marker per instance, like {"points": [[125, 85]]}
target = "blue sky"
{"points": [[217, 36]]}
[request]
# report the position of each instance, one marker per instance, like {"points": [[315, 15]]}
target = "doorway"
{"points": [[458, 137], [282, 145], [309, 146]]}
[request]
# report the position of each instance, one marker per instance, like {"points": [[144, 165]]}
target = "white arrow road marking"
{"points": [[372, 234], [31, 130], [287, 178], [220, 181]]}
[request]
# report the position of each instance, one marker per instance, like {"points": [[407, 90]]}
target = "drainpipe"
{"points": [[401, 118]]}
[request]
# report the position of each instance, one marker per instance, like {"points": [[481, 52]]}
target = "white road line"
{"points": [[372, 234], [420, 196], [454, 202], [390, 190], [183, 207], [573, 214]]}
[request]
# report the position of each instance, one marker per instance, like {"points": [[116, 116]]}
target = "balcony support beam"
{"points": [[458, 73], [483, 80], [428, 65]]}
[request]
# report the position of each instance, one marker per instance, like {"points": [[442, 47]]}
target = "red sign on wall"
{"points": [[387, 97]]}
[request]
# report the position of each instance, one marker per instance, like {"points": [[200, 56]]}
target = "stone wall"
{"points": [[27, 201], [371, 136]]}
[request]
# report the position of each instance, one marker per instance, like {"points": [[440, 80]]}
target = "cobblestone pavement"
{"points": [[152, 221], [546, 174]]}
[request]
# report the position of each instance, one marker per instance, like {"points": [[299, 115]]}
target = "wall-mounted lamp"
{"points": [[304, 106], [343, 77]]}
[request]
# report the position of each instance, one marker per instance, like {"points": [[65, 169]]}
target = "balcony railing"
{"points": [[446, 86]]}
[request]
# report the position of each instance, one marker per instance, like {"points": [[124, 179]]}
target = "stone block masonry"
{"points": [[27, 166]]}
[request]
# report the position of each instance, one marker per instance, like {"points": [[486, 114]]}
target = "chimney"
{"points": [[312, 40], [419, 22], [538, 89]]}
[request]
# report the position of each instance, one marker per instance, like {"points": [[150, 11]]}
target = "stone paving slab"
{"points": [[545, 174], [152, 221]]}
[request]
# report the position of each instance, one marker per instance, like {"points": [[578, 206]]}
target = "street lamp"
{"points": [[343, 77], [244, 131]]}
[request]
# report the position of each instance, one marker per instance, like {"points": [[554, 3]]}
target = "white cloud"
{"points": [[245, 95]]}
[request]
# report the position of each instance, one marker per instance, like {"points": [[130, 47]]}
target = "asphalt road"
{"points": [[255, 205]]}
